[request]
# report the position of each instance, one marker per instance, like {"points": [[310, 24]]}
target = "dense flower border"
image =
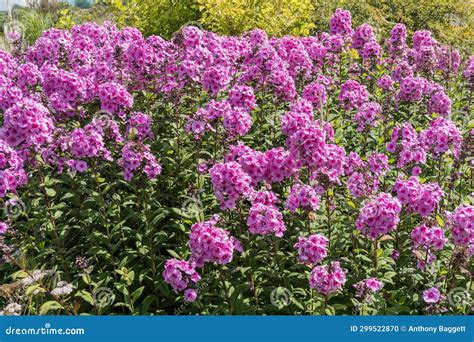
{"points": [[68, 103]]}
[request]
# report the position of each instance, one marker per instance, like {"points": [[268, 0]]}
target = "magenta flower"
{"points": [[432, 295], [312, 249], [265, 220], [367, 286], [462, 225], [190, 295], [379, 216], [209, 243], [180, 274], [327, 279], [4, 227]]}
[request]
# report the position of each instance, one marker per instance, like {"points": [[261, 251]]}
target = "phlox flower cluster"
{"points": [[12, 173], [417, 197], [265, 219], [327, 279], [87, 142], [316, 94], [361, 179], [468, 72], [234, 113], [385, 83], [205, 119], [368, 286], [242, 96], [26, 122], [302, 196], [405, 142], [427, 240], [364, 41], [440, 137], [428, 237], [209, 243], [270, 166], [140, 125], [440, 103], [309, 147], [379, 216], [237, 122], [299, 116], [397, 43], [136, 156], [312, 249], [411, 89], [230, 183], [353, 95], [114, 98], [378, 163], [341, 22], [180, 274], [368, 115], [461, 222]]}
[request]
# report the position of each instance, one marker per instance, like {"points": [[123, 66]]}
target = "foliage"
{"points": [[69, 16], [161, 17], [277, 18], [452, 21], [34, 23]]}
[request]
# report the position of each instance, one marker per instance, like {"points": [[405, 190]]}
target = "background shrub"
{"points": [[452, 21], [277, 18]]}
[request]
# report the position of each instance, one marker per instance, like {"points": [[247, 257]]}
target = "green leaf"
{"points": [[33, 288], [440, 221], [137, 293], [50, 306], [173, 254], [86, 296], [50, 192]]}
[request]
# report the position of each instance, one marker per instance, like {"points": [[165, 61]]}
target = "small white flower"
{"points": [[63, 288], [12, 309]]}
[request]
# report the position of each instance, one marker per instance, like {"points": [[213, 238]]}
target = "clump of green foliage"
{"points": [[277, 18]]}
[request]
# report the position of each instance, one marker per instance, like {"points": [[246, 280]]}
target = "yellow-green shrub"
{"points": [[160, 17], [277, 18]]}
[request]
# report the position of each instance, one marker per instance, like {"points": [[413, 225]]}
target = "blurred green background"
{"points": [[452, 21]]}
